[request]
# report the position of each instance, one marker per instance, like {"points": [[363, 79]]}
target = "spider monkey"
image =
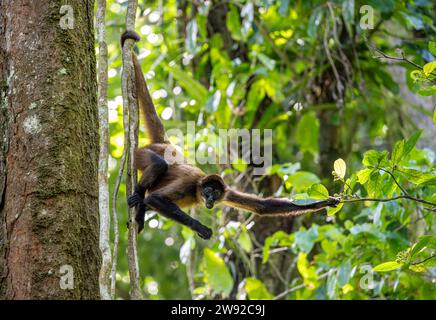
{"points": [[165, 188]]}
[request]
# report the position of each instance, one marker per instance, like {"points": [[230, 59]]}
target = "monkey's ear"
{"points": [[213, 178]]}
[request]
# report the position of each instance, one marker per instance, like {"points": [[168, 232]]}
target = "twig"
{"points": [[395, 180], [339, 85], [284, 293], [103, 187], [425, 260], [401, 59], [131, 136], [389, 199]]}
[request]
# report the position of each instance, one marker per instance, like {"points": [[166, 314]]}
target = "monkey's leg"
{"points": [[152, 166], [172, 211]]}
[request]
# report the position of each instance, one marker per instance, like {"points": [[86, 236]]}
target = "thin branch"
{"points": [[395, 180], [339, 85], [425, 260], [131, 136], [285, 293], [401, 59], [103, 192], [389, 199]]}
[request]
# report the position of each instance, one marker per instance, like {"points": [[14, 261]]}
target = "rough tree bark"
{"points": [[48, 151]]}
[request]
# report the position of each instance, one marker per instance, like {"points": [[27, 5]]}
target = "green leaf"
{"points": [[417, 177], [363, 175], [318, 191], [373, 158], [191, 36], [314, 21], [308, 133], [375, 184], [411, 142], [216, 274], [256, 290], [387, 266], [301, 181], [432, 47], [213, 102], [234, 23], [340, 168], [429, 67], [194, 88], [307, 272], [348, 11], [245, 241], [397, 152], [421, 244], [344, 273], [305, 240], [267, 61], [240, 165], [418, 267], [331, 285], [332, 211]]}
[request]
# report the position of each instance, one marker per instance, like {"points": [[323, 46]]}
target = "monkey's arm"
{"points": [[170, 210], [273, 206]]}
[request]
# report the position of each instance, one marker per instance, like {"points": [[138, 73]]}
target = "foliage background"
{"points": [[308, 71]]}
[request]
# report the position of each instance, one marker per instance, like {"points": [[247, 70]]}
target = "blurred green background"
{"points": [[310, 71]]}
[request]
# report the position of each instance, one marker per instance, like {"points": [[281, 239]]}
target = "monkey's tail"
{"points": [[153, 124]]}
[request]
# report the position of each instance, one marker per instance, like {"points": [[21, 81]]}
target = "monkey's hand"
{"points": [[333, 201], [203, 231], [137, 197], [134, 200]]}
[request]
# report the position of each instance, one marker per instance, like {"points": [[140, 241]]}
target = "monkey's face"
{"points": [[211, 194]]}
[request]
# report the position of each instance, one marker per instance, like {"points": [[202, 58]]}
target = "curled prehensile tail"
{"points": [[152, 122]]}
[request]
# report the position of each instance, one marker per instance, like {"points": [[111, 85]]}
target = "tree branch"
{"points": [[425, 260], [130, 116], [389, 199], [103, 193]]}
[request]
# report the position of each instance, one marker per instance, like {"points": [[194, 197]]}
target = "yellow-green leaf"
{"points": [[332, 211], [256, 290], [217, 276], [429, 67], [340, 168], [387, 266]]}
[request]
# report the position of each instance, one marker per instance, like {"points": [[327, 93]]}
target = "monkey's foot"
{"points": [[333, 201], [203, 232], [140, 215]]}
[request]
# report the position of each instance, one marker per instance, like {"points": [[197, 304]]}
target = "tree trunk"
{"points": [[49, 151]]}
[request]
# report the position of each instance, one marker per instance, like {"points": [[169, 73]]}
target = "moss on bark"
{"points": [[50, 207]]}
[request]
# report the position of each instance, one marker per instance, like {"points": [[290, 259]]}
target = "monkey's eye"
{"points": [[207, 190], [217, 194]]}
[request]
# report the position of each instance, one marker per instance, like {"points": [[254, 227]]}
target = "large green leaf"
{"points": [[374, 158], [308, 133], [216, 274], [301, 180], [318, 191], [194, 88], [256, 290], [234, 23]]}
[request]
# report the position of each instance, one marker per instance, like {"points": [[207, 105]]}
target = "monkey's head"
{"points": [[212, 189]]}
